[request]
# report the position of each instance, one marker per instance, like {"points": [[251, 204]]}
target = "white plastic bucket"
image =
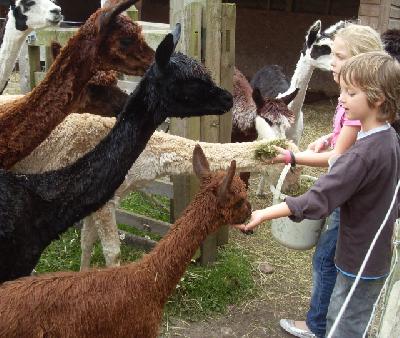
{"points": [[299, 236]]}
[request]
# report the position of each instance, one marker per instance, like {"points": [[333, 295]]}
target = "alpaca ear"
{"points": [[108, 15], [258, 98], [167, 47], [290, 97], [200, 164], [55, 48], [331, 31], [313, 32], [225, 187]]}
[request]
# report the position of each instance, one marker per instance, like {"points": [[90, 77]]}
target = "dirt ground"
{"points": [[282, 294]]}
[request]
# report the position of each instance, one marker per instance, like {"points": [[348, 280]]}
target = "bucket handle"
{"points": [[276, 191], [277, 195]]}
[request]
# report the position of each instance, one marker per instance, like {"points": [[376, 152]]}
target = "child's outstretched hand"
{"points": [[257, 217], [280, 157]]}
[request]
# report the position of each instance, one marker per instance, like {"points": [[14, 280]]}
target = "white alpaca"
{"points": [[164, 155], [39, 14], [316, 54]]}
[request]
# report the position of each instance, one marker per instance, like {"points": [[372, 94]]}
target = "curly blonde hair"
{"points": [[360, 39]]}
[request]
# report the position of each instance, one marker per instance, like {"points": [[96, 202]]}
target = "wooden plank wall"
{"points": [[380, 14], [394, 15]]}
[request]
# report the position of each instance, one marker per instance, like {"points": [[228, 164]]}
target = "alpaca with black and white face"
{"points": [[315, 54], [32, 14], [23, 17]]}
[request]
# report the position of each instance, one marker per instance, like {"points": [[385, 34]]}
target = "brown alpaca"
{"points": [[107, 41], [101, 95], [125, 301]]}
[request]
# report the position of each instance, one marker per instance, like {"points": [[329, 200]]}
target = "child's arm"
{"points": [[345, 178], [321, 143], [346, 139], [262, 215]]}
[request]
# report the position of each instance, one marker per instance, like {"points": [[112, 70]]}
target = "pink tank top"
{"points": [[340, 120]]}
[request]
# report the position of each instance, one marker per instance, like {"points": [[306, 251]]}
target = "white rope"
{"points": [[357, 280], [383, 290]]}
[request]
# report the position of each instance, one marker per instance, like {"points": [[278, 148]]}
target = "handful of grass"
{"points": [[267, 151]]}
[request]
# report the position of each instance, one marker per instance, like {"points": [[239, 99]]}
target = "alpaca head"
{"points": [[101, 95], [179, 86], [391, 41], [33, 14], [228, 189], [275, 112], [317, 47], [115, 41]]}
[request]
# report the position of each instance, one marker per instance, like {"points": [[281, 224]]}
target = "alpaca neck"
{"points": [[170, 258], [300, 79], [87, 184], [33, 117], [12, 41], [167, 154]]}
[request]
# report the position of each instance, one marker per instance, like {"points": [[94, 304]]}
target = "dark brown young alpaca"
{"points": [[107, 41], [101, 95], [248, 104], [127, 301]]}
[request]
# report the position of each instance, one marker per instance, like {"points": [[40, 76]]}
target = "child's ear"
{"points": [[379, 101]]}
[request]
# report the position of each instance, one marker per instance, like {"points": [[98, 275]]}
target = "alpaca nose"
{"points": [[56, 11]]}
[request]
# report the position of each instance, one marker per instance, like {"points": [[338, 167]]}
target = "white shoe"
{"points": [[289, 326]]}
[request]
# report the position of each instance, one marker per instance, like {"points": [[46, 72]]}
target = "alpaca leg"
{"points": [[107, 230], [88, 238], [261, 185], [245, 176]]}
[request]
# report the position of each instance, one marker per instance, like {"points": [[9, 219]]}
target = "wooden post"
{"points": [[227, 68], [34, 63], [210, 125], [391, 307], [24, 73], [189, 16], [208, 35]]}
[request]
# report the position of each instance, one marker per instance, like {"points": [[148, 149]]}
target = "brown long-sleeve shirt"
{"points": [[362, 182]]}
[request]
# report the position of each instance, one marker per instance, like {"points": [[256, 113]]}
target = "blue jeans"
{"points": [[324, 276]]}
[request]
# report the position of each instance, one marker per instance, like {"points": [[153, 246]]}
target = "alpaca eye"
{"points": [[238, 204], [126, 42]]}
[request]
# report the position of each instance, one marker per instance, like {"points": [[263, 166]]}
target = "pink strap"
{"points": [[288, 158]]}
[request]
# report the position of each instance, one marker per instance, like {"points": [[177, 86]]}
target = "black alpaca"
{"points": [[270, 80], [36, 209]]}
